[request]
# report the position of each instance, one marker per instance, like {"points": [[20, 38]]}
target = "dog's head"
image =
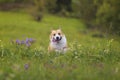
{"points": [[56, 35]]}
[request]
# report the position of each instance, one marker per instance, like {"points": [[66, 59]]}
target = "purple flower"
{"points": [[27, 40], [18, 42], [28, 44], [31, 40], [26, 66], [22, 42]]}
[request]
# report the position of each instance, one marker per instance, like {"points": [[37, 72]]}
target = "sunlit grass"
{"points": [[88, 58]]}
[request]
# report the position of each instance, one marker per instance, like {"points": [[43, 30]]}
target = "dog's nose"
{"points": [[57, 38]]}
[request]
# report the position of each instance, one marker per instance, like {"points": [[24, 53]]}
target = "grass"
{"points": [[89, 58]]}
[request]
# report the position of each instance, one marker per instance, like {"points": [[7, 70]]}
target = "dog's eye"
{"points": [[53, 34], [58, 33]]}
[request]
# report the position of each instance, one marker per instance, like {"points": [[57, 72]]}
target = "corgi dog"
{"points": [[58, 42]]}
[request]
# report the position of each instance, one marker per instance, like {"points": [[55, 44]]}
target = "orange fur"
{"points": [[57, 45]]}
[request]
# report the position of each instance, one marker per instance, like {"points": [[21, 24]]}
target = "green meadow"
{"points": [[89, 57]]}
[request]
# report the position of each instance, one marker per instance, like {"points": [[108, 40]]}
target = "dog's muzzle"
{"points": [[57, 39]]}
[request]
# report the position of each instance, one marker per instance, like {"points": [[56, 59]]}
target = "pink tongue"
{"points": [[54, 40]]}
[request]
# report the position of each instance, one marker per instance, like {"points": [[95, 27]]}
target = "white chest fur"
{"points": [[59, 46]]}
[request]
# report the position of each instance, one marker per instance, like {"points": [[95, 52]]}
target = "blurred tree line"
{"points": [[97, 14], [101, 14]]}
